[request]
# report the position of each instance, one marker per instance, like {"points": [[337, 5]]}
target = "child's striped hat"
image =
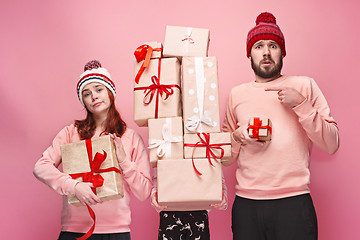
{"points": [[93, 72]]}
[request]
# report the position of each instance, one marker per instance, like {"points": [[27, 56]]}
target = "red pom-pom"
{"points": [[92, 64], [266, 17]]}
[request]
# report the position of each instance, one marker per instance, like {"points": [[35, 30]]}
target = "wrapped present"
{"points": [[165, 139], [94, 160], [207, 145], [180, 188], [146, 52], [158, 93], [186, 41], [260, 128], [200, 95]]}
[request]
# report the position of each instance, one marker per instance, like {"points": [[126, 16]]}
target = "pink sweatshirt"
{"points": [[280, 168], [111, 216]]}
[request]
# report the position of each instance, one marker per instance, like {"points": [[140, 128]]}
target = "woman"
{"points": [[96, 91]]}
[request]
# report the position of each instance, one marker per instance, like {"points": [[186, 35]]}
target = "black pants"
{"points": [[291, 218], [110, 236], [186, 225]]}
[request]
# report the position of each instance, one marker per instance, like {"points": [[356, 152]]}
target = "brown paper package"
{"points": [[178, 43], [155, 132], [169, 75], [75, 160], [180, 188]]}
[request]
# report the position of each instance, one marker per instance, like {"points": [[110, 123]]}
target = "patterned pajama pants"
{"points": [[184, 225]]}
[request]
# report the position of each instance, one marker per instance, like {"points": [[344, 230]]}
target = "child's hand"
{"points": [[222, 205], [155, 204], [84, 193], [119, 148]]}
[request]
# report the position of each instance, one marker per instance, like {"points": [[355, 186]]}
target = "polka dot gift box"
{"points": [[200, 95]]}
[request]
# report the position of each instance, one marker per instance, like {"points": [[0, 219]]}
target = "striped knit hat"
{"points": [[93, 72], [265, 29]]}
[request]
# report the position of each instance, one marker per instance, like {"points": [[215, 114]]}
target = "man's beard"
{"points": [[268, 72]]}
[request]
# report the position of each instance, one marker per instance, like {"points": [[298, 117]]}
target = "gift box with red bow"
{"points": [[207, 145], [260, 128], [94, 160], [157, 94], [186, 41]]}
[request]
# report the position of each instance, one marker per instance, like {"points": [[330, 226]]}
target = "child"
{"points": [[96, 91]]}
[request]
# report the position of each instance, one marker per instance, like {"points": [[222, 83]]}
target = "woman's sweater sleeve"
{"points": [[136, 167], [314, 116], [46, 168]]}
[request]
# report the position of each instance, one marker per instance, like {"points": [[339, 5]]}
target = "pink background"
{"points": [[44, 45]]}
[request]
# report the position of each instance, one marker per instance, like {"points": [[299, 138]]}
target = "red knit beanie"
{"points": [[265, 29]]}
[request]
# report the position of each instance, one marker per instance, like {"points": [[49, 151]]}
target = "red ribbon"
{"points": [[160, 90], [258, 125], [144, 52], [205, 142], [96, 180]]}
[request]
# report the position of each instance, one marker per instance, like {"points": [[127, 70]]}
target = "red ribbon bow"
{"points": [[205, 142], [258, 125], [144, 52], [96, 180], [161, 90]]}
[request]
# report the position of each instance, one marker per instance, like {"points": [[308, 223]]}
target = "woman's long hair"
{"points": [[113, 122]]}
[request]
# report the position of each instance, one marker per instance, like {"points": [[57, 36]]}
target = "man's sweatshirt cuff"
{"points": [[303, 109]]}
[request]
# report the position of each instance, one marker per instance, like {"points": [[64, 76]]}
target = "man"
{"points": [[272, 195]]}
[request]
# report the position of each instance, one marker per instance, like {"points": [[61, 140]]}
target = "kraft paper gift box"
{"points": [[158, 93], [200, 95], [76, 162], [203, 145], [260, 128], [165, 139], [186, 41], [181, 188]]}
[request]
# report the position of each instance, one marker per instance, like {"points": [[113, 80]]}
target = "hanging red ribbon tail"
{"points": [[89, 233], [197, 171]]}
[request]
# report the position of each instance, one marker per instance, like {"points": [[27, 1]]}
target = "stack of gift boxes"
{"points": [[176, 96]]}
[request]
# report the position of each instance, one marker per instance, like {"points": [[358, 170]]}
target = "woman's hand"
{"points": [[222, 205], [119, 148], [155, 204], [84, 193]]}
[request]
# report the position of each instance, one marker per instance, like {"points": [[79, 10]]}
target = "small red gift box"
{"points": [[260, 128]]}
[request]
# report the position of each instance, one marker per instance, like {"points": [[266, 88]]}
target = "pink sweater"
{"points": [[280, 168], [111, 216]]}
